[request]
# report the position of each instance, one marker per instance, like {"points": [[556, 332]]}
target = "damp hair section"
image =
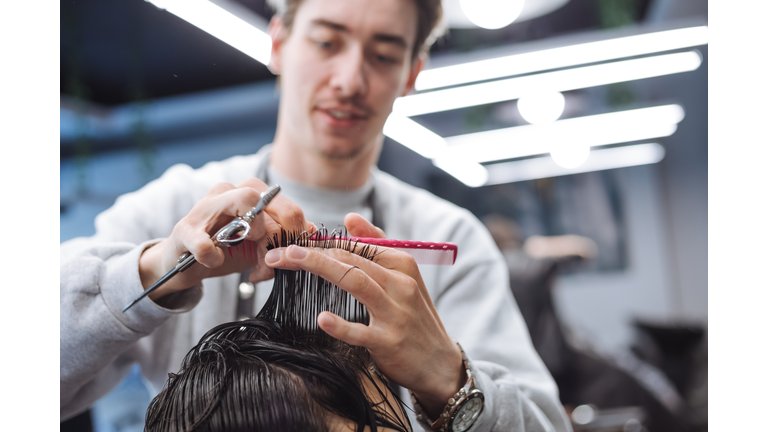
{"points": [[298, 296], [279, 371]]}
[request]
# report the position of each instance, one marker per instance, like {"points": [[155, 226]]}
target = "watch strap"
{"points": [[453, 403]]}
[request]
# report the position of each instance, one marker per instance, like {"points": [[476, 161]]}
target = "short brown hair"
{"points": [[428, 27]]}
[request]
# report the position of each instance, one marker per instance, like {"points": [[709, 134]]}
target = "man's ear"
{"points": [[278, 34], [416, 68]]}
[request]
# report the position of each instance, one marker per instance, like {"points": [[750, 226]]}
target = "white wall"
{"points": [[599, 307]]}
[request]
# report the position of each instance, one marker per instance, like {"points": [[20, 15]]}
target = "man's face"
{"points": [[341, 68]]}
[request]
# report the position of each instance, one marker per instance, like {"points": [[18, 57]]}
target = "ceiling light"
{"points": [[567, 56], [431, 145], [221, 24], [570, 79], [569, 155], [414, 136], [470, 173], [492, 14], [596, 130], [509, 149], [540, 108], [602, 159]]}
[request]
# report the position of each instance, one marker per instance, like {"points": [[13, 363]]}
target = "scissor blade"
{"points": [[154, 286], [190, 260]]}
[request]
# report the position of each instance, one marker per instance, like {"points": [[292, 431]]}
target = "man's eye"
{"points": [[324, 44], [385, 59]]}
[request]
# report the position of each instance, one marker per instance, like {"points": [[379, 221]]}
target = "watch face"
{"points": [[467, 413]]}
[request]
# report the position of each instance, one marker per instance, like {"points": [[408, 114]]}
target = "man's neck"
{"points": [[314, 169]]}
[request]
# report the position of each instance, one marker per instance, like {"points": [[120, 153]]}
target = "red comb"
{"points": [[423, 252]]}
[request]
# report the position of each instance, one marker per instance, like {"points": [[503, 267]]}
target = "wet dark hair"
{"points": [[279, 371]]}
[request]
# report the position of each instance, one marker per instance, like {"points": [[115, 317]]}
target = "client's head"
{"points": [[279, 371], [254, 375]]}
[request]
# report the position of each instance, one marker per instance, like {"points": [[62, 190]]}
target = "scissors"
{"points": [[230, 235]]}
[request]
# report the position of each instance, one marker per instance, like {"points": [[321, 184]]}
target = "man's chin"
{"points": [[341, 152], [334, 155]]}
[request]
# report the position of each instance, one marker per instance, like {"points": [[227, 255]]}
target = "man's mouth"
{"points": [[345, 114], [339, 115]]}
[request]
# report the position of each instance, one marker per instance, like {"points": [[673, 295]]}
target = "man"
{"points": [[341, 64]]}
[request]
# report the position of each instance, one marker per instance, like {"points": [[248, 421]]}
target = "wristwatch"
{"points": [[462, 410]]}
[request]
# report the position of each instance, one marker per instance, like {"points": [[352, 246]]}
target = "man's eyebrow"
{"points": [[331, 24], [390, 38], [380, 37]]}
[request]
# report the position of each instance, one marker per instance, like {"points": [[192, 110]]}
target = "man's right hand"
{"points": [[221, 204]]}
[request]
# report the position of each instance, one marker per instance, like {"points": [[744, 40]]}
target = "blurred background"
{"points": [[606, 238]]}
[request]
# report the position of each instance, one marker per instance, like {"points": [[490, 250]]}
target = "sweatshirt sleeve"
{"points": [[478, 310], [99, 277]]}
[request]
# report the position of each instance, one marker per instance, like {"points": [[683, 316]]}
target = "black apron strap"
{"points": [[246, 291]]}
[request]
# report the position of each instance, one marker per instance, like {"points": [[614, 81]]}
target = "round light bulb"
{"points": [[569, 155], [492, 14], [542, 107], [583, 414], [246, 290]]}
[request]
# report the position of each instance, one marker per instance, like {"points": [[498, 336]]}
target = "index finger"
{"points": [[326, 263]]}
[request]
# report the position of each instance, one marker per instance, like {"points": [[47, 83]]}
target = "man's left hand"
{"points": [[405, 336]]}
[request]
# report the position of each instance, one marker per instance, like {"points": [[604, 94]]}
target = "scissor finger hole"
{"points": [[234, 233]]}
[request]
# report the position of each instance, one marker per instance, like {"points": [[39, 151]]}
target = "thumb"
{"points": [[358, 226]]}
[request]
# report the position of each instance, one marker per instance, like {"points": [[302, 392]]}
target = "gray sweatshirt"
{"points": [[99, 276]]}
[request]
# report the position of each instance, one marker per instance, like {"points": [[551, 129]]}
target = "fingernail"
{"points": [[273, 256], [297, 252]]}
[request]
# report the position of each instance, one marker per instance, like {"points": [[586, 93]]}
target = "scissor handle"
{"points": [[238, 227]]}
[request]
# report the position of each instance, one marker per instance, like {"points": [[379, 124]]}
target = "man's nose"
{"points": [[350, 77]]}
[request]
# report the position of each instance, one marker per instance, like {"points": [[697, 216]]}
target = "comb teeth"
{"points": [[431, 256], [423, 252]]}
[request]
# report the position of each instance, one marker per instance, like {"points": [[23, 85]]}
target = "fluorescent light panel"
{"points": [[430, 145], [617, 157], [470, 173], [568, 56], [570, 79], [414, 136], [222, 25], [595, 130]]}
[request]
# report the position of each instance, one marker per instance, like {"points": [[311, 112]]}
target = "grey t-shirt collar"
{"points": [[320, 205]]}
